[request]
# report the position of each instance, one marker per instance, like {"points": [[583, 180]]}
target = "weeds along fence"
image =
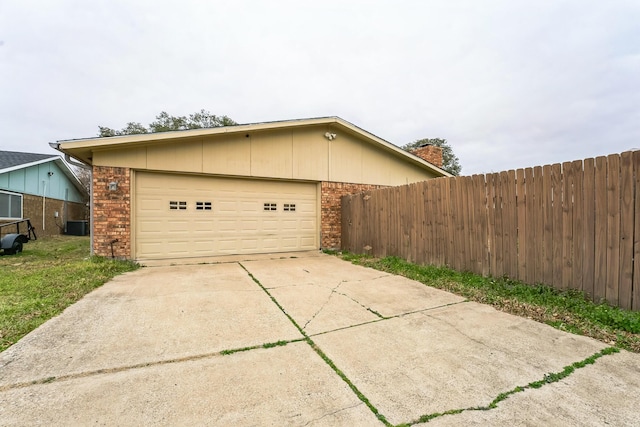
{"points": [[574, 225]]}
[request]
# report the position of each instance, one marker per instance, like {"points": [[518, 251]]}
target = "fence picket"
{"points": [[567, 226], [521, 239], [491, 222], [626, 231], [613, 228], [589, 227], [480, 205], [635, 298], [539, 224], [499, 227], [556, 224], [448, 221], [547, 242], [578, 225], [600, 273], [510, 241], [438, 214]]}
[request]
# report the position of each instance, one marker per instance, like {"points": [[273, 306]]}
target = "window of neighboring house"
{"points": [[10, 205]]}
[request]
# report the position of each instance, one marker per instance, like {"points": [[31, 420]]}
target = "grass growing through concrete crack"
{"points": [[548, 379], [565, 310], [280, 343], [51, 274], [322, 355]]}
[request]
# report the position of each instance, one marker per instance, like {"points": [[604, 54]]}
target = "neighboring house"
{"points": [[42, 188], [258, 188]]}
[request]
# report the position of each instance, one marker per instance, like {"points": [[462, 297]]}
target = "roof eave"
{"points": [[192, 133], [68, 172], [82, 149], [394, 148], [27, 165]]}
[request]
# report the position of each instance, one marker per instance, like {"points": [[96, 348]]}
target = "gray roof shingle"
{"points": [[10, 159]]}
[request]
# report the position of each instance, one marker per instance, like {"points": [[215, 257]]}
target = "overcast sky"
{"points": [[508, 83]]}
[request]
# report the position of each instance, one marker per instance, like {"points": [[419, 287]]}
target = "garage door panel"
{"points": [[289, 225], [247, 226], [269, 225], [151, 226], [270, 244], [307, 242], [289, 242], [226, 206], [214, 216], [307, 225], [203, 226]]}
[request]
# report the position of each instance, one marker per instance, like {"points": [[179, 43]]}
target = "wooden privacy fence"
{"points": [[574, 225]]}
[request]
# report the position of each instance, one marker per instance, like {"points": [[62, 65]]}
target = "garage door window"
{"points": [[289, 207], [10, 205], [203, 206], [270, 206], [177, 206]]}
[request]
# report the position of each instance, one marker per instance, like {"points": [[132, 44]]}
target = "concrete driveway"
{"points": [[308, 340]]}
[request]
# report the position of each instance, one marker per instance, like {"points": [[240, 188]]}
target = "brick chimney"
{"points": [[430, 153]]}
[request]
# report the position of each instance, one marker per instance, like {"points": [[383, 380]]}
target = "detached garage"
{"points": [[258, 188]]}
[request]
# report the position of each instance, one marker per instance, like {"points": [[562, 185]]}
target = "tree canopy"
{"points": [[165, 123], [450, 161]]}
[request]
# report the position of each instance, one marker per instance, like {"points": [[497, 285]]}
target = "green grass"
{"points": [[565, 310], [48, 276]]}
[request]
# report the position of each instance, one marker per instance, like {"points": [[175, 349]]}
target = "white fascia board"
{"points": [[27, 165]]}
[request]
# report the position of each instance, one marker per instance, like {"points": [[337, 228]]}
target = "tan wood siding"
{"points": [[231, 156], [299, 154]]}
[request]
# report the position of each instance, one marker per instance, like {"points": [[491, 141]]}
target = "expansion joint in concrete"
{"points": [[108, 371]]}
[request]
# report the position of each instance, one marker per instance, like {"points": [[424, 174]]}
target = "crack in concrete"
{"points": [[368, 280], [455, 328], [333, 290], [333, 413], [293, 285], [362, 305], [429, 308], [395, 316]]}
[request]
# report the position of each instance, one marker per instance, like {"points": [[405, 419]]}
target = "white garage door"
{"points": [[178, 216]]}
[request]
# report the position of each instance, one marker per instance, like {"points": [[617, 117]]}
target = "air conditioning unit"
{"points": [[77, 228]]}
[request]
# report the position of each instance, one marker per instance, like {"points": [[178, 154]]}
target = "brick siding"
{"points": [[331, 210], [32, 210], [112, 211]]}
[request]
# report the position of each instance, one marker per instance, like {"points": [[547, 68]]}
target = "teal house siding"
{"points": [[46, 179]]}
